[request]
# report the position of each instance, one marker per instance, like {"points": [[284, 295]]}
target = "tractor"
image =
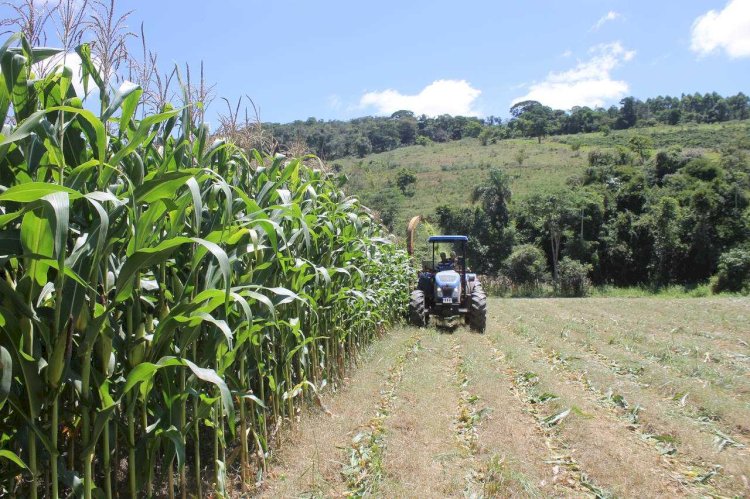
{"points": [[446, 289]]}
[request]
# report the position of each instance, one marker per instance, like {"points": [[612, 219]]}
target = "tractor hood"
{"points": [[447, 279]]}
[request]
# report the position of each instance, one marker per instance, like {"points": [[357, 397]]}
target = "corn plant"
{"points": [[166, 298]]}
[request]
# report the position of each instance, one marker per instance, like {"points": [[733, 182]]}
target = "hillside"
{"points": [[446, 173]]}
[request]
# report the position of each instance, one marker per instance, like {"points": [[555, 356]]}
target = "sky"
{"points": [[337, 59]]}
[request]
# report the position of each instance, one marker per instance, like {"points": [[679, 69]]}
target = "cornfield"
{"points": [[167, 300]]}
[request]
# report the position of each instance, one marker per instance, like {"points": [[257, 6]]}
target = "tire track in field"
{"points": [[684, 404], [425, 457], [566, 471], [467, 416], [510, 450], [465, 423], [691, 470], [310, 459], [681, 403], [694, 477], [700, 322], [645, 349], [363, 473], [611, 455]]}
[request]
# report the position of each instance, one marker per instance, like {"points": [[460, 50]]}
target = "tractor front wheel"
{"points": [[417, 310], [478, 310]]}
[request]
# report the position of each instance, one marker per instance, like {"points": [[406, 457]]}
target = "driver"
{"points": [[445, 263], [453, 260]]}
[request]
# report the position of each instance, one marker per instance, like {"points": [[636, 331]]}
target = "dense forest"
{"points": [[362, 136], [635, 217]]}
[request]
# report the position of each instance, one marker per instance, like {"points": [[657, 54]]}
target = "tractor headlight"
{"points": [[439, 292], [455, 292]]}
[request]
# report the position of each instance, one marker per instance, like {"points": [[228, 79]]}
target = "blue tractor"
{"points": [[447, 290]]}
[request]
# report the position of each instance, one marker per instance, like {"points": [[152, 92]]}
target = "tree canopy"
{"points": [[362, 136], [672, 218]]}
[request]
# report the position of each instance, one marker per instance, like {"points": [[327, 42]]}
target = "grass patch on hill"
{"points": [[711, 136], [447, 173]]}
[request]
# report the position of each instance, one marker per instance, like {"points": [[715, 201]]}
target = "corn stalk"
{"points": [[161, 289]]}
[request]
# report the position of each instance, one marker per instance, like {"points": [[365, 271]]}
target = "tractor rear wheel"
{"points": [[478, 310], [417, 310]]}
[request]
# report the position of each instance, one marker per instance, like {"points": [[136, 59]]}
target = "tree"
{"points": [[494, 198], [493, 221], [405, 180], [488, 224], [668, 162], [574, 278], [383, 135], [529, 119], [734, 159], [520, 156], [550, 217], [401, 114], [641, 146], [627, 114], [739, 105], [733, 273], [407, 130], [362, 146], [665, 227], [486, 136], [532, 119], [719, 112], [472, 129], [527, 265]]}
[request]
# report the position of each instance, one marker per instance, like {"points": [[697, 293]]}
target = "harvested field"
{"points": [[578, 397]]}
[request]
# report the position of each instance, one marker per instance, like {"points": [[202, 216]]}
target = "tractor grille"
{"points": [[447, 278]]}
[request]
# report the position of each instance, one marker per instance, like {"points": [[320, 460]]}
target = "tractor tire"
{"points": [[417, 310], [477, 316]]}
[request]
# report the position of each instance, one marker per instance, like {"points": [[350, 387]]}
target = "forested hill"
{"points": [[362, 136], [656, 205]]}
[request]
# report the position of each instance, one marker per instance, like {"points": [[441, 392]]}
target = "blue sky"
{"points": [[341, 59]]}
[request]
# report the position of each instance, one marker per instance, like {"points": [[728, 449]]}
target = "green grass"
{"points": [[494, 287], [691, 135], [646, 292], [448, 172]]}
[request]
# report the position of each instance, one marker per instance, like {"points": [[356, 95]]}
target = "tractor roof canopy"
{"points": [[447, 239]]}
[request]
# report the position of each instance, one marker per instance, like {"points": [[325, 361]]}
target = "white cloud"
{"points": [[609, 16], [567, 53], [728, 30], [334, 102], [455, 97], [70, 60], [590, 83]]}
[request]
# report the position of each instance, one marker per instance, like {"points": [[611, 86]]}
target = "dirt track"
{"points": [[565, 398]]}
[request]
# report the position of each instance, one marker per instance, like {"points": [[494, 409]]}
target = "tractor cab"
{"points": [[443, 277], [445, 287]]}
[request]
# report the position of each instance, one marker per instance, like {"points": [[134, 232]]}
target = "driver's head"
{"points": [[442, 255]]}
